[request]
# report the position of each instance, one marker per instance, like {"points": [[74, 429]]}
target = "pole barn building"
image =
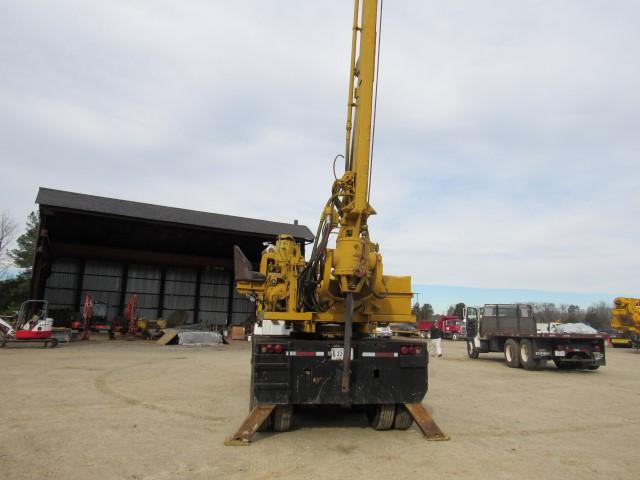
{"points": [[174, 260]]}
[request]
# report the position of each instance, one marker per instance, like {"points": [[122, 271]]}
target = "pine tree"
{"points": [[426, 311], [24, 253], [458, 311]]}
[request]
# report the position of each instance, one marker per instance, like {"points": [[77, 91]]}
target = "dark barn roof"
{"points": [[157, 213]]}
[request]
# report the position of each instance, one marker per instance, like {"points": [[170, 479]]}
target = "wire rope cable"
{"points": [[375, 100]]}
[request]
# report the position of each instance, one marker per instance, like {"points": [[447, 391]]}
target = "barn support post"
{"points": [[232, 285], [196, 302], [123, 287], [163, 280], [79, 284]]}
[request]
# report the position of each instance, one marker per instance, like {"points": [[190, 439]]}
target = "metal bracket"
{"points": [[425, 422], [250, 426]]}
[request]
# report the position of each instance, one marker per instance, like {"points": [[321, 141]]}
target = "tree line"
{"points": [[14, 288], [598, 314]]}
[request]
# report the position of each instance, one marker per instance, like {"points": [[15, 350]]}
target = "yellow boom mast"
{"points": [[343, 285]]}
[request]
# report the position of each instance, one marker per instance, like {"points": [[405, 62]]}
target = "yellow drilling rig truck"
{"points": [[334, 301], [625, 317]]}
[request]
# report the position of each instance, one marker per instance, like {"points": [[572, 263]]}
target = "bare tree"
{"points": [[599, 315], [7, 234]]}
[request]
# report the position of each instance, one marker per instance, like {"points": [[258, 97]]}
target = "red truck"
{"points": [[450, 325]]}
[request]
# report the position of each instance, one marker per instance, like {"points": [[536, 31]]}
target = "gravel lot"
{"points": [[135, 410]]}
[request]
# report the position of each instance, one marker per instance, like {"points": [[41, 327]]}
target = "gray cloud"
{"points": [[506, 134]]}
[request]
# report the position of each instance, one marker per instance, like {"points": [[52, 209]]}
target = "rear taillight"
{"points": [[272, 348], [410, 350], [596, 348], [559, 347]]}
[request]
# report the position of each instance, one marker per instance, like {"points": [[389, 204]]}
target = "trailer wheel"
{"points": [[403, 419], [511, 353], [472, 351], [381, 416], [54, 342], [282, 418], [527, 355]]}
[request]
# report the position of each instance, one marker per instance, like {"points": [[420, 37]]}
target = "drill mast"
{"points": [[341, 285]]}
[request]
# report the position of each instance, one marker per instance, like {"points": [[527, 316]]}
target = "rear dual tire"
{"points": [[388, 415], [511, 353], [527, 356], [282, 415], [381, 416], [403, 420]]}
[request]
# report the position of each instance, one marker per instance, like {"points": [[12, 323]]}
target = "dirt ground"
{"points": [[135, 410]]}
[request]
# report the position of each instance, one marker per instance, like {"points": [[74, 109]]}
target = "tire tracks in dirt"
{"points": [[102, 385]]}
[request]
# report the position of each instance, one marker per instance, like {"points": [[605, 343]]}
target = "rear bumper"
{"points": [[305, 374]]}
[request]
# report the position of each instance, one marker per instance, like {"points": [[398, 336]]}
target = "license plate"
{"points": [[337, 353], [560, 353], [597, 355]]}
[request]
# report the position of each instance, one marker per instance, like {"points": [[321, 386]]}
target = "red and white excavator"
{"points": [[32, 325]]}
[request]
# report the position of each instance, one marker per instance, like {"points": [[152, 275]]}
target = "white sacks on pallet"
{"points": [[575, 328], [199, 338]]}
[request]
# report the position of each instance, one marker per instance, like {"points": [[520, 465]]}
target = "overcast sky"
{"points": [[507, 141]]}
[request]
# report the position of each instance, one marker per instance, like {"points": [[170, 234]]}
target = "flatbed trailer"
{"points": [[511, 329]]}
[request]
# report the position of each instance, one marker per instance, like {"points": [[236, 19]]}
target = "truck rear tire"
{"points": [[381, 416], [282, 418], [527, 356], [511, 356], [403, 419], [472, 351]]}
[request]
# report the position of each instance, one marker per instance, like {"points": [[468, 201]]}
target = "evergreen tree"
{"points": [[426, 311], [24, 253], [458, 311], [13, 291]]}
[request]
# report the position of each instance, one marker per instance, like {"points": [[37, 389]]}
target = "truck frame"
{"points": [[511, 329]]}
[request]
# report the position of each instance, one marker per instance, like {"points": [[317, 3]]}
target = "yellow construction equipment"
{"points": [[625, 317], [333, 302], [316, 293]]}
